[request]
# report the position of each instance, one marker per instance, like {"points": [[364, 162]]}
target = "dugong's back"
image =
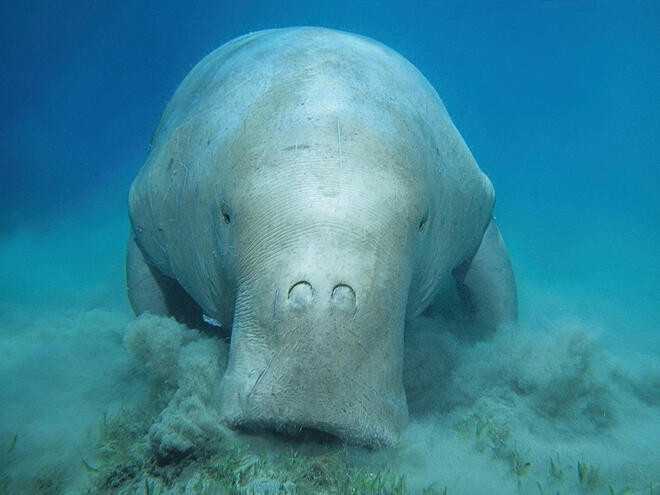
{"points": [[274, 90]]}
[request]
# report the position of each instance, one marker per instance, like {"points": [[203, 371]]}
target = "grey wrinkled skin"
{"points": [[307, 188]]}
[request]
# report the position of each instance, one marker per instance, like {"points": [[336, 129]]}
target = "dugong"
{"points": [[307, 189]]}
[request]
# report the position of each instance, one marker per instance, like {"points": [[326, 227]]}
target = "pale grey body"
{"points": [[307, 188]]}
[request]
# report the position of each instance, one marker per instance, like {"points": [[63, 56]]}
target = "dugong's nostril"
{"points": [[343, 297], [300, 294]]}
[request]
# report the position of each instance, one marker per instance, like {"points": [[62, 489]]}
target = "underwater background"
{"points": [[559, 102]]}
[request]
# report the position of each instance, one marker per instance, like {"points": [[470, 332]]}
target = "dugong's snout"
{"points": [[324, 357]]}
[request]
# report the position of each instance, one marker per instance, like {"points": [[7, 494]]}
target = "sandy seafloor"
{"points": [[559, 103]]}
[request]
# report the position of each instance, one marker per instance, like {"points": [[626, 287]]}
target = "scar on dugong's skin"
{"points": [[307, 189]]}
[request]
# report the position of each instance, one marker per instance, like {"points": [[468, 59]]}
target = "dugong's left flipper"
{"points": [[149, 291], [144, 283], [487, 284]]}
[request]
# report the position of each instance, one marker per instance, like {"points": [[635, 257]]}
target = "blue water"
{"points": [[559, 101]]}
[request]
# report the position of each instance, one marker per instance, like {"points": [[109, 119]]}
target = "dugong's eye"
{"points": [[424, 221]]}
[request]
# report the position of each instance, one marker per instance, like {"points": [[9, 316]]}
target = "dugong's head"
{"points": [[328, 211], [324, 248], [316, 193]]}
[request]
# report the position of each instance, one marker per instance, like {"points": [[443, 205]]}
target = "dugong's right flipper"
{"points": [[481, 294], [487, 284], [149, 291]]}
